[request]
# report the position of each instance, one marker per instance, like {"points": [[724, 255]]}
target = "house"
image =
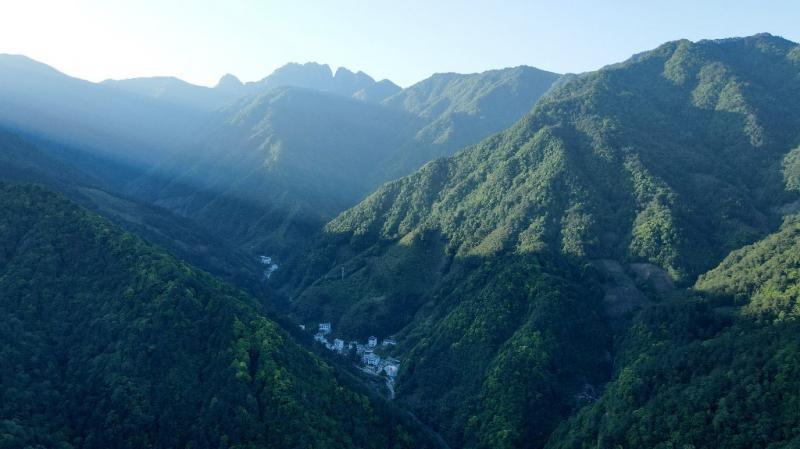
{"points": [[372, 342], [360, 349], [389, 342], [302, 326], [371, 359], [338, 344], [320, 337], [325, 328]]}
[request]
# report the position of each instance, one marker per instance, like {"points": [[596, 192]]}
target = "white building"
{"points": [[389, 342], [320, 337], [360, 349], [325, 328], [371, 359], [302, 326], [338, 344], [372, 342]]}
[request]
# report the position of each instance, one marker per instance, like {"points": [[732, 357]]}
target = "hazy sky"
{"points": [[404, 40]]}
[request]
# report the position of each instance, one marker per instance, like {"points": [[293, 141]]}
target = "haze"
{"points": [[199, 41]]}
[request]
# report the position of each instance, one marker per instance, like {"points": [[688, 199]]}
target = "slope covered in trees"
{"points": [[721, 370], [763, 277], [98, 183], [667, 161], [458, 110], [109, 342]]}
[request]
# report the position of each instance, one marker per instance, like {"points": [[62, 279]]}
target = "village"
{"points": [[370, 362]]}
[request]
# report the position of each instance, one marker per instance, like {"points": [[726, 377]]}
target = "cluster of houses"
{"points": [[371, 361], [269, 266]]}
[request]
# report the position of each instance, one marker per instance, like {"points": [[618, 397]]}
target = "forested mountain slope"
{"points": [[461, 109], [661, 164], [98, 184], [672, 157], [109, 342], [717, 371]]}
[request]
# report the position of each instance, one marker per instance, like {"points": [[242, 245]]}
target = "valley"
{"points": [[507, 259]]}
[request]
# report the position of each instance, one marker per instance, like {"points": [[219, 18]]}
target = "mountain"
{"points": [[599, 260], [310, 75], [144, 120], [761, 278], [719, 370], [460, 110], [508, 270], [98, 184], [110, 342], [285, 161], [178, 92], [37, 99], [377, 92], [320, 77], [277, 165]]}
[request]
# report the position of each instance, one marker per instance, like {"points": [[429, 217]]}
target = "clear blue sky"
{"points": [[404, 40]]}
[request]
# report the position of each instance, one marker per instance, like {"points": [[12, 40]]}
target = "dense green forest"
{"points": [[603, 260], [719, 370], [459, 110], [109, 342], [655, 168]]}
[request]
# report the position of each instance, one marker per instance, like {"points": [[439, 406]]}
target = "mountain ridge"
{"points": [[126, 346], [671, 159]]}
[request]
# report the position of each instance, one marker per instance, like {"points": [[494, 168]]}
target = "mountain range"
{"points": [[260, 161], [601, 260], [508, 269], [229, 88]]}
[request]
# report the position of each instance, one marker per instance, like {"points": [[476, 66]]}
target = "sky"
{"points": [[403, 40]]}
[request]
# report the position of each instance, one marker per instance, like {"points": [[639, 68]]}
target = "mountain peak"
{"points": [[229, 81], [313, 75], [24, 63]]}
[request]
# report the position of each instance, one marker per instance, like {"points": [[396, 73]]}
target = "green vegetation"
{"points": [[691, 379], [618, 269], [762, 277], [109, 342], [717, 371], [673, 158], [460, 110], [621, 163], [96, 183]]}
